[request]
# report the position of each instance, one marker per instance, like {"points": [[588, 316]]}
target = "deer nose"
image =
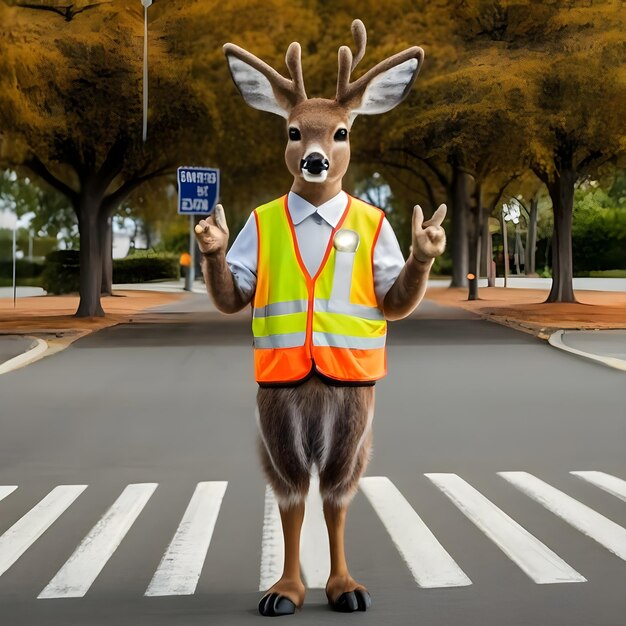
{"points": [[314, 163]]}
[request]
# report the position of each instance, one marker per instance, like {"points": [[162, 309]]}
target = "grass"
{"points": [[608, 274]]}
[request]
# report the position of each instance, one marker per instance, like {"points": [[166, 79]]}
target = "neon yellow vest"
{"points": [[330, 321]]}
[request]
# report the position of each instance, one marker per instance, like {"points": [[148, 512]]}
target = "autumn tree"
{"points": [[71, 109]]}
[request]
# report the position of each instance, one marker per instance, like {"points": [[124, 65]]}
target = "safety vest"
{"points": [[330, 322]]}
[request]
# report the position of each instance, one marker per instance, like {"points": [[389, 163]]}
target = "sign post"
{"points": [[198, 193]]}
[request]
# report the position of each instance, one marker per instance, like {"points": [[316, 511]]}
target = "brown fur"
{"points": [[315, 424]]}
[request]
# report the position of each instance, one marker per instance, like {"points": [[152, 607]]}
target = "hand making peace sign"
{"points": [[428, 238]]}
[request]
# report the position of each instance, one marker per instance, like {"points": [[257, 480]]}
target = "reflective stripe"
{"points": [[288, 340], [333, 340], [346, 308], [281, 308], [342, 277]]}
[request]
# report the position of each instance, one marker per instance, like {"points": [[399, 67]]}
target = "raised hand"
{"points": [[212, 233], [428, 238]]}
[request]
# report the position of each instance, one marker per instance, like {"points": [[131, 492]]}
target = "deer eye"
{"points": [[341, 135], [294, 134]]}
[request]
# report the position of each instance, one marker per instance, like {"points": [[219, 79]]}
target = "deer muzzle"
{"points": [[314, 166]]}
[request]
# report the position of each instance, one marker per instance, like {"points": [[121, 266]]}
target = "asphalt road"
{"points": [[12, 346], [171, 403]]}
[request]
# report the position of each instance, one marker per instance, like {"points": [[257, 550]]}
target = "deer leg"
{"points": [[343, 592], [339, 480], [286, 466], [288, 592]]}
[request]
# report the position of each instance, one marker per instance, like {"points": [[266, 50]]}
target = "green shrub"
{"points": [[23, 269], [61, 273], [144, 266]]}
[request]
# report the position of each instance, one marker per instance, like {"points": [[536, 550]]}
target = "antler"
{"points": [[383, 86], [261, 85], [347, 62], [293, 60]]}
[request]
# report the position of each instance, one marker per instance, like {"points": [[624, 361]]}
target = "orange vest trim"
{"points": [[330, 322]]}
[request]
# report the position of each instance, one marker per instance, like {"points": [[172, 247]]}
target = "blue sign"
{"points": [[198, 190]]}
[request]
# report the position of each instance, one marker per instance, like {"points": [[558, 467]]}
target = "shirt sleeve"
{"points": [[242, 258], [388, 260]]}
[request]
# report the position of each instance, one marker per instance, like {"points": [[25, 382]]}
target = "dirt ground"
{"points": [[47, 314], [526, 309], [522, 308]]}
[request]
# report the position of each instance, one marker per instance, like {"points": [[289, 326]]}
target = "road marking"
{"points": [[272, 548], [580, 516], [314, 550], [531, 555], [17, 539], [179, 570], [6, 490], [426, 558], [611, 484], [82, 568]]}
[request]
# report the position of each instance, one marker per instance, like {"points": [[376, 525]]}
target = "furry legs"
{"points": [[330, 427]]}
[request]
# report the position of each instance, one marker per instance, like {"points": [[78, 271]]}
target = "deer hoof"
{"points": [[274, 605], [351, 601]]}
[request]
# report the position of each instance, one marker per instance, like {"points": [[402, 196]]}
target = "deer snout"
{"points": [[315, 165]]}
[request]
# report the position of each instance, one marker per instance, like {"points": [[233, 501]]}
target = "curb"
{"points": [[25, 358], [556, 340]]}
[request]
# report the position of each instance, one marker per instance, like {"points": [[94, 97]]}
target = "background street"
{"points": [[169, 399]]}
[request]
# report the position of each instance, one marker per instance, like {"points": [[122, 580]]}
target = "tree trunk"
{"points": [[459, 201], [562, 194], [487, 249], [474, 242], [90, 257], [531, 237], [106, 232]]}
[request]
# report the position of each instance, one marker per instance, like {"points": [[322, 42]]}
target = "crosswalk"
{"points": [[429, 563]]}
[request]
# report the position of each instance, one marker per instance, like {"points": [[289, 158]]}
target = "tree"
{"points": [[70, 105]]}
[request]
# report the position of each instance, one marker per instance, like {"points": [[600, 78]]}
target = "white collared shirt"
{"points": [[313, 226]]}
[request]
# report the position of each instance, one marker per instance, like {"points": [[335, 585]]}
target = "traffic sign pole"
{"points": [[191, 270]]}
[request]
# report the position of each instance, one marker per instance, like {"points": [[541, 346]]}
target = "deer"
{"points": [[318, 332]]}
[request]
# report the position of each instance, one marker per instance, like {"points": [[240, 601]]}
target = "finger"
{"points": [[434, 233], [200, 227], [220, 218], [418, 218], [438, 216]]}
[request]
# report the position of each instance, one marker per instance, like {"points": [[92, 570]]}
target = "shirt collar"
{"points": [[331, 211]]}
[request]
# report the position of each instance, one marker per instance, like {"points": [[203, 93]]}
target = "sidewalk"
{"points": [[592, 328], [527, 310]]}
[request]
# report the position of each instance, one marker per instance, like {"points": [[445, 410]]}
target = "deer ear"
{"points": [[261, 86], [387, 84]]}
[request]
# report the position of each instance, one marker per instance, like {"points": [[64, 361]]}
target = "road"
{"points": [[109, 440]]}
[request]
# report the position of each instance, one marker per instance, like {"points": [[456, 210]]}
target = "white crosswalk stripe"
{"points": [[82, 568], [17, 539], [427, 559], [611, 484], [6, 490], [429, 562], [532, 556], [180, 567], [314, 550], [314, 556], [589, 522], [272, 550]]}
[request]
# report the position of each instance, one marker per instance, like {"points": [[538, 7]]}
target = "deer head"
{"points": [[318, 146]]}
